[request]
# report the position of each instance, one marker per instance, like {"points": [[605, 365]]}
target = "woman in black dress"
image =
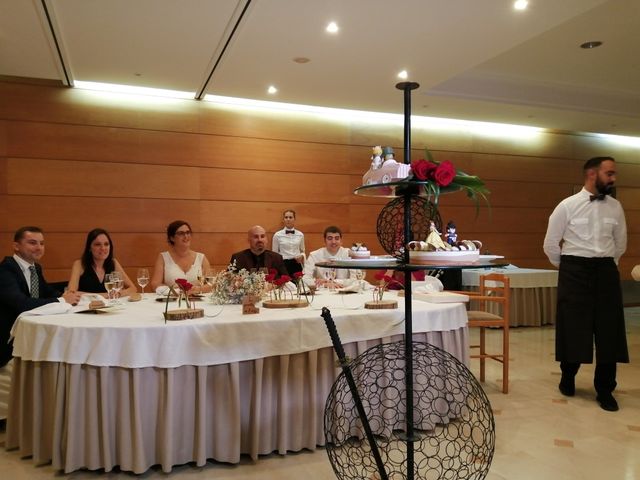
{"points": [[89, 272]]}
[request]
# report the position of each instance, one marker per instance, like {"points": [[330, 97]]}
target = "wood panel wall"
{"points": [[73, 160]]}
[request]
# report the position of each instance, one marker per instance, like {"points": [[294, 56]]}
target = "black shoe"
{"points": [[567, 386], [607, 402]]}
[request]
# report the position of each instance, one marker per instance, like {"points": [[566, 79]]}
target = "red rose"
{"points": [[379, 276], [422, 169], [444, 173], [298, 275], [270, 278], [183, 284], [285, 278]]}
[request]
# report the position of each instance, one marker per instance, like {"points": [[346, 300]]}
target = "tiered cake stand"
{"points": [[476, 462]]}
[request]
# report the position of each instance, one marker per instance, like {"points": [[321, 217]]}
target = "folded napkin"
{"points": [[356, 286], [429, 285], [87, 298], [52, 308], [162, 290], [442, 297]]}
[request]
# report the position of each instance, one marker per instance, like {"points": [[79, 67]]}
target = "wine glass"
{"points": [[118, 283], [143, 278], [108, 285], [200, 277], [210, 279], [360, 278]]}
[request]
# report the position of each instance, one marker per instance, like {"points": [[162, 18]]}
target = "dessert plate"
{"points": [[372, 260]]}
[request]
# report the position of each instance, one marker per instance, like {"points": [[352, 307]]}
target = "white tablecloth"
{"points": [[518, 277], [137, 336], [124, 389], [534, 293]]}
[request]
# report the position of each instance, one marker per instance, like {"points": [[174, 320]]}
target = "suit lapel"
{"points": [[22, 282]]}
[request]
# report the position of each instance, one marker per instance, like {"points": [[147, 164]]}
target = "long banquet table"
{"points": [[534, 293], [125, 389]]}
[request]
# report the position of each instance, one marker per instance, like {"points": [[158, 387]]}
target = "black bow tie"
{"points": [[599, 196], [289, 231]]}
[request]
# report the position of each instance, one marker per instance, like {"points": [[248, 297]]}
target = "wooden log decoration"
{"points": [[295, 303], [381, 304], [184, 314]]}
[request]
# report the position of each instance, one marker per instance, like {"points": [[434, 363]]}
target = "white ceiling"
{"points": [[474, 59]]}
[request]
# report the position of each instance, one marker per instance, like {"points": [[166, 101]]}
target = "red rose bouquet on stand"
{"points": [[443, 176]]}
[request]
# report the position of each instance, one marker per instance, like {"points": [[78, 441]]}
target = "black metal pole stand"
{"points": [[408, 324], [344, 364]]}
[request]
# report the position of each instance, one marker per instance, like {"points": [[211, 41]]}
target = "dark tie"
{"points": [[599, 196], [35, 286], [290, 231]]}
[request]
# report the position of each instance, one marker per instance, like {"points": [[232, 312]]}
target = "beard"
{"points": [[604, 188]]}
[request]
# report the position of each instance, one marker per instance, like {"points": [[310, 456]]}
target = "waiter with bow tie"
{"points": [[586, 236], [289, 243]]}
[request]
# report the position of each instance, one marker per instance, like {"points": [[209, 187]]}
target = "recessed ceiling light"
{"points": [[403, 75], [592, 44], [520, 4], [332, 27], [301, 59], [272, 89]]}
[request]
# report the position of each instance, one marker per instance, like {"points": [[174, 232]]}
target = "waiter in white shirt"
{"points": [[333, 250], [586, 236], [289, 242]]}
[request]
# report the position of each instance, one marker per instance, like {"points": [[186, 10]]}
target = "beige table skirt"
{"points": [[81, 416]]}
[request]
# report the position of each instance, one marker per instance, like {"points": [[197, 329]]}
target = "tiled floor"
{"points": [[540, 434]]}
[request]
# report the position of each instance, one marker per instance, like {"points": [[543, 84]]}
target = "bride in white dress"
{"points": [[179, 261]]}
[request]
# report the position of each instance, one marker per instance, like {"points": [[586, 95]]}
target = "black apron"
{"points": [[590, 307]]}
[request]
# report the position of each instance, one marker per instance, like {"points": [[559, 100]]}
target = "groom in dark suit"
{"points": [[22, 286], [257, 256]]}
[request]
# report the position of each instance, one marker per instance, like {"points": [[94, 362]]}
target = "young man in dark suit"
{"points": [[22, 285]]}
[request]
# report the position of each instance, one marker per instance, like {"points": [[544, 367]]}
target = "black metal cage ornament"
{"points": [[390, 226], [454, 429]]}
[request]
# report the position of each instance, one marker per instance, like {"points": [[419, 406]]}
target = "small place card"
{"points": [[249, 305]]}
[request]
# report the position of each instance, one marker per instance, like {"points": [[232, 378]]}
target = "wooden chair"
{"points": [[494, 289]]}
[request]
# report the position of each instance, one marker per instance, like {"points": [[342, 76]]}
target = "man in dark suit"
{"points": [[22, 285], [257, 255]]}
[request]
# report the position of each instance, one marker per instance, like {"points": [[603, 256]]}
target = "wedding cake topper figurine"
{"points": [[450, 235], [384, 168], [434, 239], [376, 159]]}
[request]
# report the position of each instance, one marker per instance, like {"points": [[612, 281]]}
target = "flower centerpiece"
{"points": [[280, 288], [440, 177], [232, 285], [378, 301], [301, 287], [183, 287]]}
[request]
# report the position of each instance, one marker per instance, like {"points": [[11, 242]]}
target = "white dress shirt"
{"points": [[586, 228], [289, 245], [311, 272], [24, 266]]}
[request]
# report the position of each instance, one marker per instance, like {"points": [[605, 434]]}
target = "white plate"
{"points": [[490, 257], [452, 256], [372, 260]]}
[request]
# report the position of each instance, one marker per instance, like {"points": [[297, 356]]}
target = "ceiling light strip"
{"points": [[200, 92], [68, 80]]}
